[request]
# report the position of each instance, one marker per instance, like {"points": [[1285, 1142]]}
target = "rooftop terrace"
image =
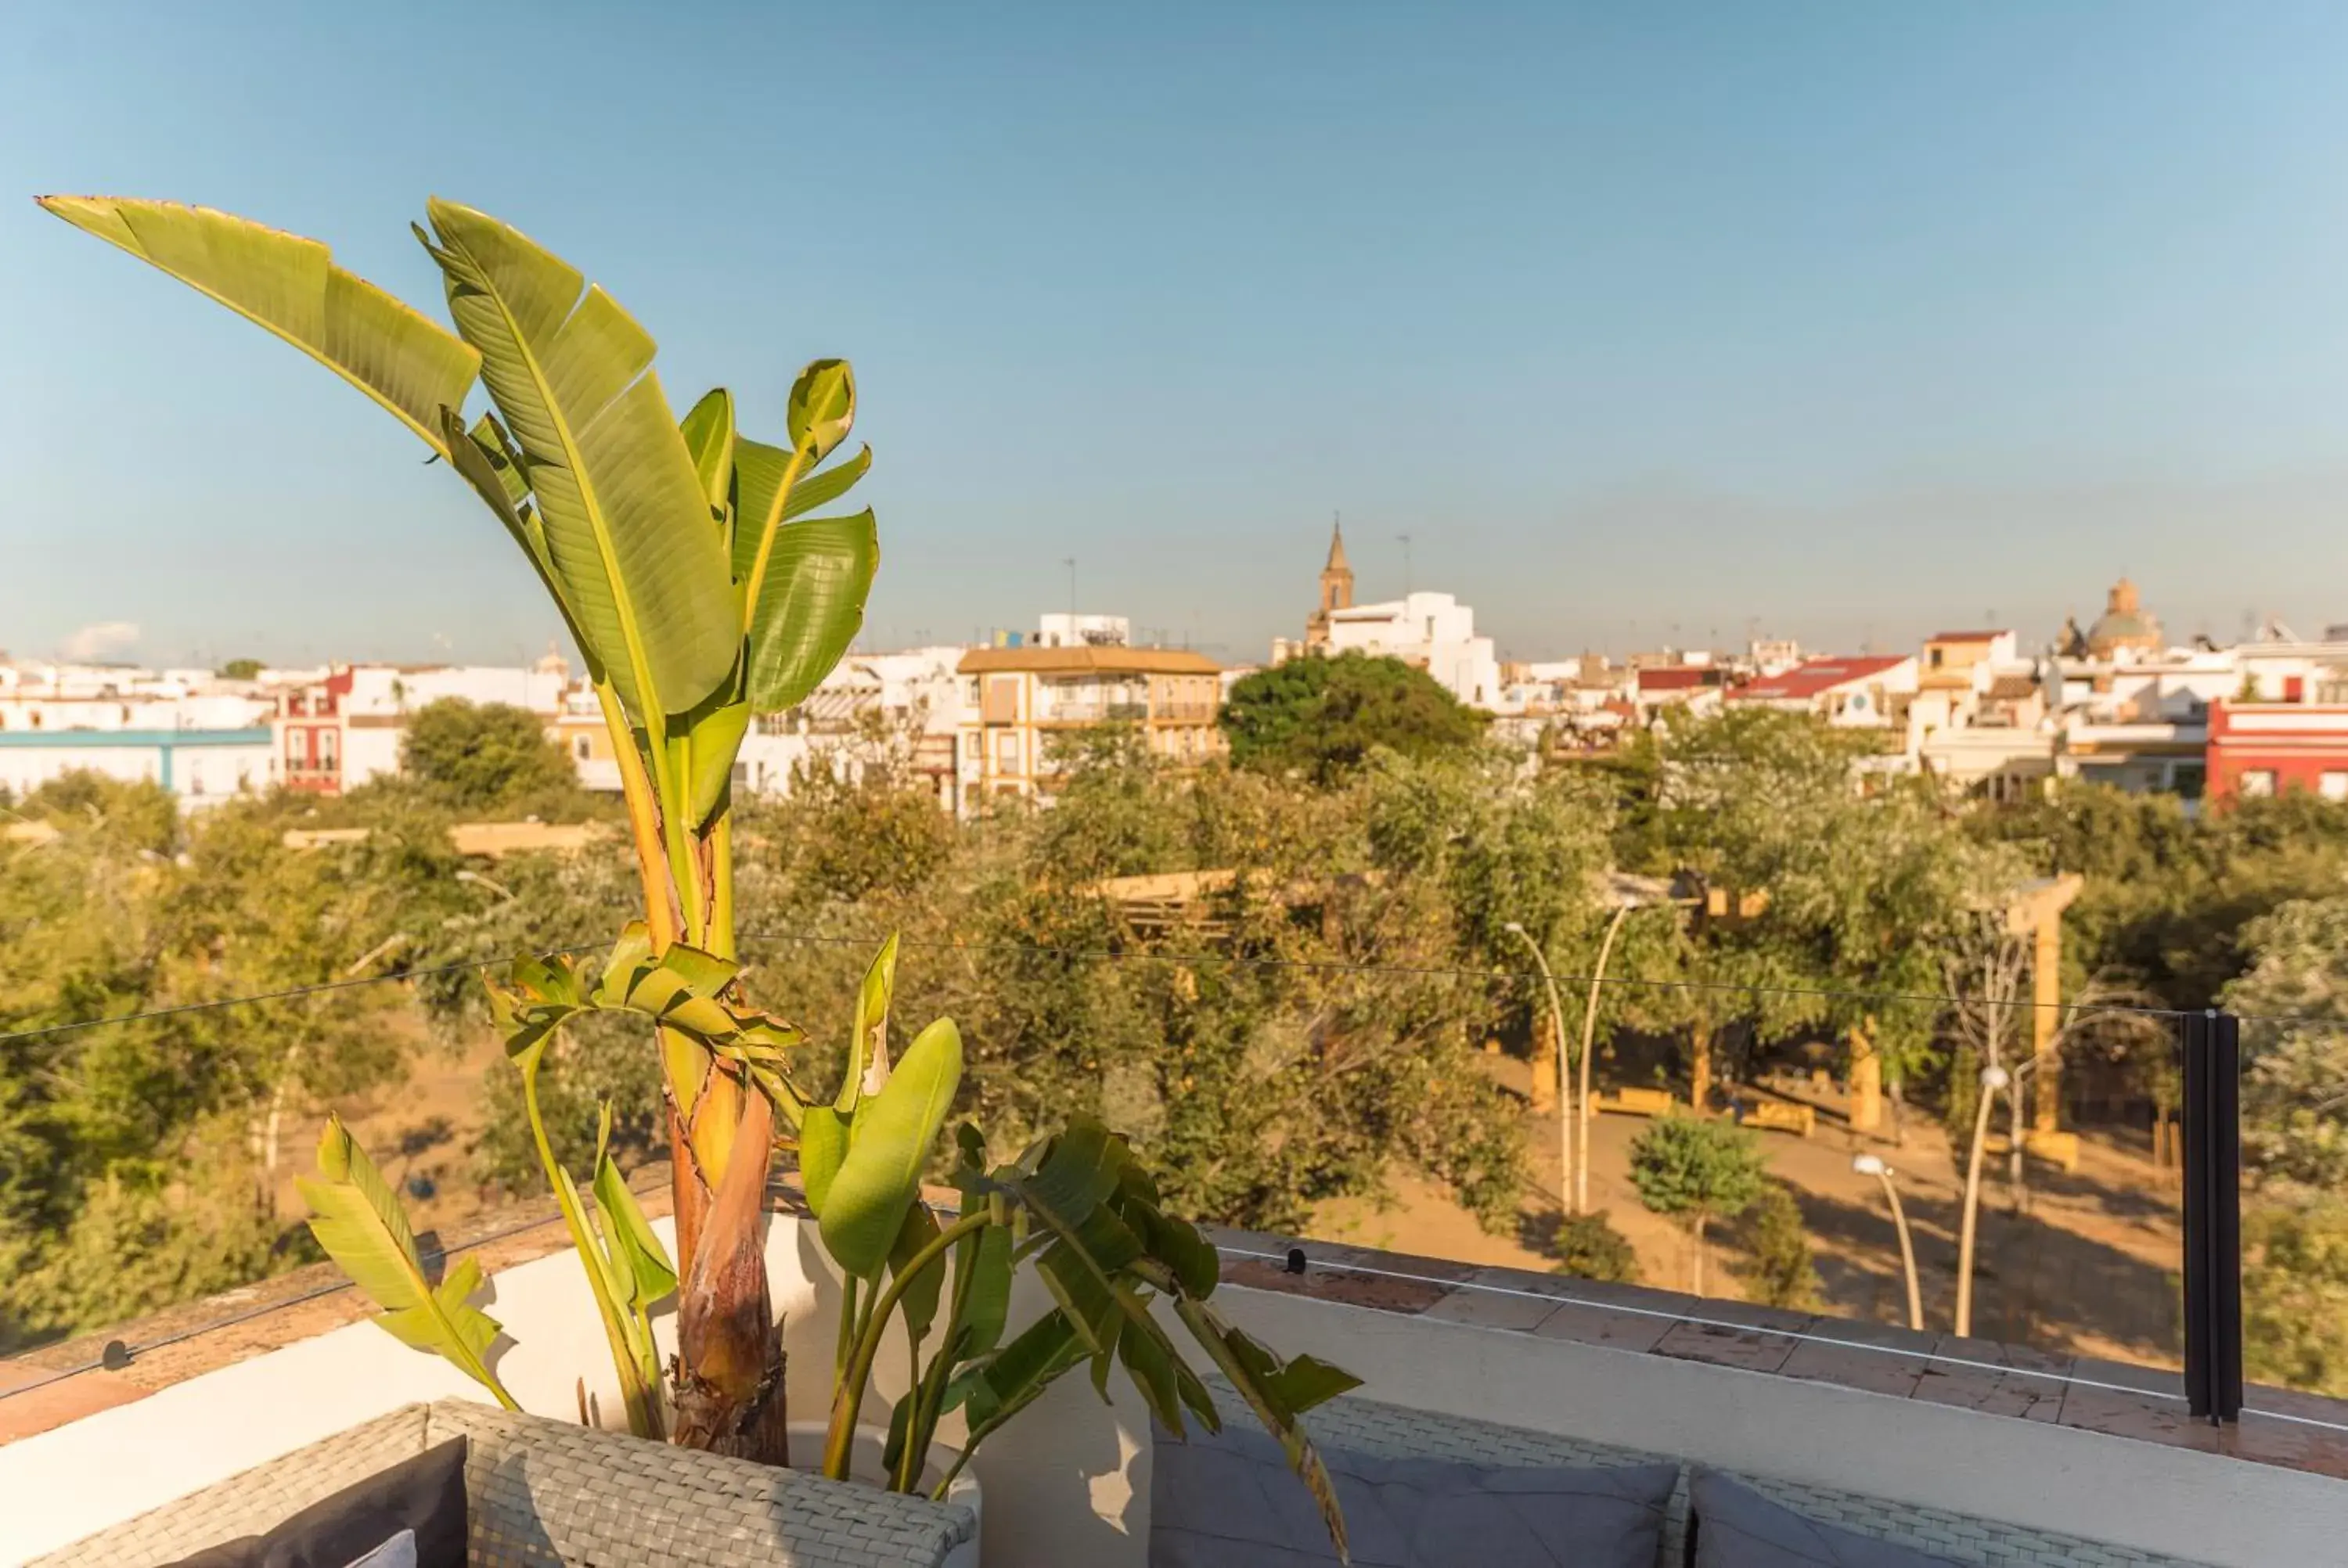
{"points": [[1929, 1427]]}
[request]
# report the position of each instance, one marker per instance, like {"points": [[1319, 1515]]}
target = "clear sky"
{"points": [[1845, 319]]}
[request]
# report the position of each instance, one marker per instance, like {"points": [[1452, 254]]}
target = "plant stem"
{"points": [[721, 880], [644, 1413], [848, 1399], [643, 820], [847, 1337]]}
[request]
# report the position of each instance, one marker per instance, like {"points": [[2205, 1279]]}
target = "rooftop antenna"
{"points": [[1070, 562], [1405, 539]]}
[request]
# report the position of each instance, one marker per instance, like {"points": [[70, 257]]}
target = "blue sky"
{"points": [[1847, 319]]}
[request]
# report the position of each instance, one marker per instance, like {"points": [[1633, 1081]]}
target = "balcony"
{"points": [[1090, 710], [1947, 1444]]}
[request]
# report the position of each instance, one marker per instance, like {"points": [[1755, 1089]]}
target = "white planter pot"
{"points": [[864, 1464]]}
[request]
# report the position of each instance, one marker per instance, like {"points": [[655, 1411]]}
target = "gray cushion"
{"points": [[1736, 1527], [1230, 1500]]}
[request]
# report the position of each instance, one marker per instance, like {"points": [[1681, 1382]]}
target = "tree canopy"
{"points": [[486, 756], [1322, 716]]}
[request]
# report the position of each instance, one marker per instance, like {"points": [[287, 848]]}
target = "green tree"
{"points": [[1778, 1270], [483, 757], [1695, 1171], [240, 670], [2295, 1292], [139, 815], [1321, 717], [1589, 1248]]}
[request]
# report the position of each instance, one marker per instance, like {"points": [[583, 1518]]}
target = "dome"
{"points": [[2124, 624]]}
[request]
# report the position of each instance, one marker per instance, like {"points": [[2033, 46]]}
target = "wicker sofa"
{"points": [[1387, 1431], [545, 1492]]}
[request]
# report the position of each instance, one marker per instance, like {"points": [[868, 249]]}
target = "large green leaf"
{"points": [[823, 408], [1266, 1387], [811, 606], [918, 1302], [642, 1266], [359, 1221], [290, 286], [889, 1141], [708, 430], [826, 485], [485, 458], [986, 1304], [823, 1148], [627, 524], [760, 504], [1030, 1364], [713, 744], [868, 1043]]}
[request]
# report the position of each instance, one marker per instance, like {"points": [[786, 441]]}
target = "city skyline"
{"points": [[1854, 323]]}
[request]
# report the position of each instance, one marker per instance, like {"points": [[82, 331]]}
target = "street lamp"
{"points": [[1623, 908], [1565, 1199], [1993, 1080], [1873, 1165]]}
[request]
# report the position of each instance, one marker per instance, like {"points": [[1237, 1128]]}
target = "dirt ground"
{"points": [[2091, 1269], [421, 1132]]}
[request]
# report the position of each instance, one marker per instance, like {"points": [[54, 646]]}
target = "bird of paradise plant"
{"points": [[684, 560]]}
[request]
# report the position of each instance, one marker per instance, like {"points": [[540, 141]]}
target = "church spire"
{"points": [[1337, 577]]}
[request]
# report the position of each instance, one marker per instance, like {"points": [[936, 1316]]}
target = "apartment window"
{"points": [[2256, 781], [327, 745], [2332, 785], [1001, 700], [582, 748], [1933, 658], [297, 749], [1006, 752]]}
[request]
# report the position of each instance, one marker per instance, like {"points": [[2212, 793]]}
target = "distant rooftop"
{"points": [[1819, 675]]}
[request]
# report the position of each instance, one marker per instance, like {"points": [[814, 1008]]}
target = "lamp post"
{"points": [[1588, 1043], [1564, 1077], [1993, 1080], [1873, 1165]]}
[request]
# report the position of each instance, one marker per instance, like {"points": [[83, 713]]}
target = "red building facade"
{"points": [[2267, 748], [310, 734]]}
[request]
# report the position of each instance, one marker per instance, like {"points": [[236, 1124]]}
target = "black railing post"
{"points": [[2213, 1216]]}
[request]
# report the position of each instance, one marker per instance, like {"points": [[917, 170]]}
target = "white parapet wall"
{"points": [[1066, 1483]]}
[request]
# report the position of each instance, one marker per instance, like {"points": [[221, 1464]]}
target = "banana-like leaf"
{"points": [[714, 742], [627, 525], [888, 1143], [823, 408], [485, 459], [708, 431], [826, 485], [1258, 1376], [760, 505], [629, 956], [360, 1222], [918, 1302], [986, 1304], [289, 286], [994, 1392], [644, 1269], [811, 606], [1175, 1243], [823, 1147], [868, 1045]]}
